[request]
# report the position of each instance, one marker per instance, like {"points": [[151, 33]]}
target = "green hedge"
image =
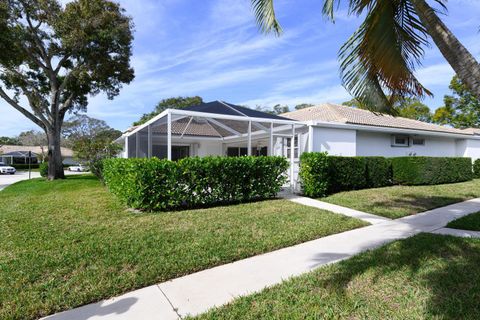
{"points": [[321, 174], [476, 168], [431, 170], [379, 172], [155, 184], [25, 166], [314, 173], [346, 173]]}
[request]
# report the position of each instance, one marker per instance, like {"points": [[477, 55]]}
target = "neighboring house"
{"points": [[223, 129], [347, 131], [19, 154]]}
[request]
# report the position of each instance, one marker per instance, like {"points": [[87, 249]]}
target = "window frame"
{"points": [[418, 144], [400, 145]]}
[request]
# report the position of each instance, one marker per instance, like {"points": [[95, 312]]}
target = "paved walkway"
{"points": [[458, 233], [7, 179], [198, 292], [368, 217]]}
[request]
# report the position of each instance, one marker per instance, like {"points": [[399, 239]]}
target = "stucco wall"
{"points": [[209, 148], [380, 144], [468, 148], [339, 142]]}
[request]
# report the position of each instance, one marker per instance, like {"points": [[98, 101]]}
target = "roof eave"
{"points": [[391, 129]]}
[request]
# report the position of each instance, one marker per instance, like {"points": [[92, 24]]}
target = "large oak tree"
{"points": [[55, 56]]}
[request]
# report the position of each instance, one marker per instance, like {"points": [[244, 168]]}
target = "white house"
{"points": [[223, 129], [347, 131]]}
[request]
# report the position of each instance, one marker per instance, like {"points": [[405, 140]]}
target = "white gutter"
{"points": [[338, 125]]}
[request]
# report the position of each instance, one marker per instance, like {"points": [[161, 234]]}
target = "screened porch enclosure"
{"points": [[228, 131]]}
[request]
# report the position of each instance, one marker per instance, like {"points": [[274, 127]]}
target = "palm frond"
{"points": [[383, 54], [264, 12], [329, 7]]}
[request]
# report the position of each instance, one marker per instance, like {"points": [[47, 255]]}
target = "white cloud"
{"points": [[325, 94], [437, 74]]}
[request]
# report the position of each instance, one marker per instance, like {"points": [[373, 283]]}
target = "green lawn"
{"points": [[399, 201], [424, 277], [470, 222], [67, 243]]}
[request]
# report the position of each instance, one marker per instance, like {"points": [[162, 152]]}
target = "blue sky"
{"points": [[212, 48]]}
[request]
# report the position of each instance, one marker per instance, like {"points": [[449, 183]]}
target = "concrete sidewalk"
{"points": [[458, 233], [198, 292], [6, 180], [368, 217]]}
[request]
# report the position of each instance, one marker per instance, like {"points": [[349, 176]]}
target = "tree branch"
{"points": [[60, 64], [26, 90], [22, 110], [68, 103]]}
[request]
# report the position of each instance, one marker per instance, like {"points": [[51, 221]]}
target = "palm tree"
{"points": [[380, 58]]}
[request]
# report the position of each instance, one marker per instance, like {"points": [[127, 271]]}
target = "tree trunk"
{"points": [[55, 163], [459, 58]]}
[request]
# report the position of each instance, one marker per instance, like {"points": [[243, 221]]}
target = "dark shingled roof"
{"points": [[221, 107]]}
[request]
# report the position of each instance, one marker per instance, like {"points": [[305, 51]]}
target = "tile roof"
{"points": [[474, 131], [66, 152], [329, 112]]}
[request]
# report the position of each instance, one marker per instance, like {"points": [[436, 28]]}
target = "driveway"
{"points": [[8, 179]]}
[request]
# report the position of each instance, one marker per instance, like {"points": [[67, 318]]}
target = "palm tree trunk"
{"points": [[459, 58]]}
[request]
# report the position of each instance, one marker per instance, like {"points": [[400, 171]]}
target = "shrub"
{"points": [[155, 184], [378, 172], [431, 170], [44, 169], [314, 173], [476, 168], [346, 173]]}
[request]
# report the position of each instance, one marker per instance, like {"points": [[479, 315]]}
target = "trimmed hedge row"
{"points": [[429, 170], [321, 174], [159, 184], [25, 166], [476, 168]]}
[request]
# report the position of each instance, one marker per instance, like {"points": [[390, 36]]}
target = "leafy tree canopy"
{"points": [[277, 109], [9, 140], [83, 126], [56, 56], [170, 103], [32, 138], [411, 108], [461, 109], [92, 140], [303, 106]]}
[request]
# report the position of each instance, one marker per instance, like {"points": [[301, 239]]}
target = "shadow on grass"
{"points": [[415, 203], [207, 206], [443, 269], [86, 176]]}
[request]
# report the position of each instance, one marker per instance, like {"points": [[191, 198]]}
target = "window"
{"points": [[239, 152], [400, 141], [180, 152], [418, 141], [286, 142]]}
